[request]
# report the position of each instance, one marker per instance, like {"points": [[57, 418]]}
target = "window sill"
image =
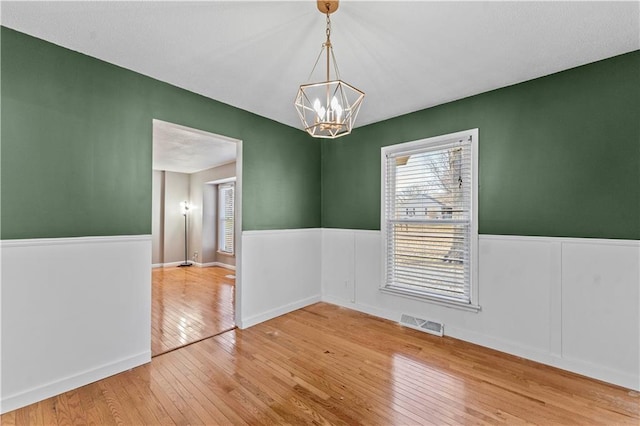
{"points": [[431, 299], [226, 253]]}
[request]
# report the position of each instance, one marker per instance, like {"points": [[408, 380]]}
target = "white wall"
{"points": [[167, 222], [74, 310], [280, 273], [572, 303], [175, 191]]}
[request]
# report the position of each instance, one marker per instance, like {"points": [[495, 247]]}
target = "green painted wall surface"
{"points": [[559, 155], [77, 147]]}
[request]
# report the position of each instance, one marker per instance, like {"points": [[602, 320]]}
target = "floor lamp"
{"points": [[185, 211]]}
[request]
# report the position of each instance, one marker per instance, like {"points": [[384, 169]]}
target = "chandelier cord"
{"points": [[330, 48], [326, 44], [328, 30]]}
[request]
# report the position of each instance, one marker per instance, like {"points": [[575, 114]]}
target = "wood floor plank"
{"points": [[208, 394], [63, 413], [365, 388], [326, 365], [278, 377], [244, 368], [143, 403], [9, 419], [219, 389], [77, 413], [365, 374], [140, 379], [95, 407], [36, 415], [21, 418], [189, 412], [189, 304], [157, 386], [119, 413]]}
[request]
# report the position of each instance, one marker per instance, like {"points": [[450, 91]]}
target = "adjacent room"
{"points": [[192, 225], [204, 220]]}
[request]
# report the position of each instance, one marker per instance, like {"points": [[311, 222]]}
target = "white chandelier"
{"points": [[328, 109]]}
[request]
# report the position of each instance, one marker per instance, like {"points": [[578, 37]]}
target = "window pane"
{"points": [[428, 218], [429, 258], [226, 218], [432, 185]]}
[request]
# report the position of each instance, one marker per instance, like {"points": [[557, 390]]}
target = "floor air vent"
{"points": [[420, 324]]}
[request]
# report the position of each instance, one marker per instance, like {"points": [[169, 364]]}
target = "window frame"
{"points": [[220, 211], [418, 145]]}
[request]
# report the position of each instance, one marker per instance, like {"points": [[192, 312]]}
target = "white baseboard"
{"points": [[170, 264], [196, 264], [220, 264], [22, 399], [360, 307], [265, 316]]}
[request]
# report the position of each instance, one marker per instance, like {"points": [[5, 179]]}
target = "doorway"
{"points": [[196, 247]]}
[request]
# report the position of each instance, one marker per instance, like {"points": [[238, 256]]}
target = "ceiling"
{"points": [[184, 150], [406, 56]]}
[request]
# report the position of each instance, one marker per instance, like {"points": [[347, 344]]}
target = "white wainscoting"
{"points": [[74, 310], [280, 273], [568, 302]]}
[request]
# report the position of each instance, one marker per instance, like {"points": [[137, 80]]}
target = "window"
{"points": [[431, 255], [225, 217]]}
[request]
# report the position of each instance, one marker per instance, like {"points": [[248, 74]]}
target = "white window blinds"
{"points": [[226, 217], [427, 218]]}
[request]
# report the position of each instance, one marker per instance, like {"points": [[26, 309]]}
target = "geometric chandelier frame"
{"points": [[328, 109]]}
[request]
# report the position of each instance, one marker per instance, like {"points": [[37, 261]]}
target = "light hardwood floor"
{"points": [[329, 365], [189, 304]]}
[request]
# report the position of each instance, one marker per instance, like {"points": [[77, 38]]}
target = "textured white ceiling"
{"points": [[406, 56], [182, 149]]}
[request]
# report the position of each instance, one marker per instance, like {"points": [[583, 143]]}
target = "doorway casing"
{"points": [[238, 214]]}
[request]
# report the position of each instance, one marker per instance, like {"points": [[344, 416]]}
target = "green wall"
{"points": [[559, 155], [77, 147]]}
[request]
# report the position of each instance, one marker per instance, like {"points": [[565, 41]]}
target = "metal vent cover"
{"points": [[431, 327]]}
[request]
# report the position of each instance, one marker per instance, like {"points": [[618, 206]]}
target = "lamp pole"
{"points": [[185, 210]]}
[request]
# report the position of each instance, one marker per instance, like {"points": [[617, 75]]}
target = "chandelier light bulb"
{"points": [[334, 103], [320, 110], [337, 110]]}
